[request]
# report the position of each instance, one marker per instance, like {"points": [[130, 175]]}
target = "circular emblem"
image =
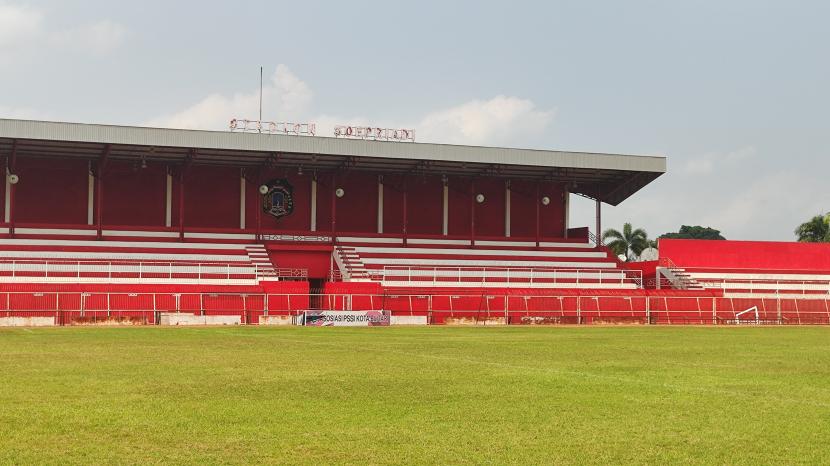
{"points": [[278, 198]]}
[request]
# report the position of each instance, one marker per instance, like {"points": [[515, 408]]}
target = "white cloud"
{"points": [[500, 120], [18, 24], [721, 191], [99, 38], [495, 121], [26, 32], [707, 163], [285, 96]]}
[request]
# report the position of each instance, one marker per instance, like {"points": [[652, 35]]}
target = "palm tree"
{"points": [[629, 243], [816, 230]]}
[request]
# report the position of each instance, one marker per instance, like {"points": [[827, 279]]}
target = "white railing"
{"points": [[752, 285], [495, 276], [66, 270]]}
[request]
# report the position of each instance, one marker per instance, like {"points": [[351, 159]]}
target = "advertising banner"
{"points": [[347, 318]]}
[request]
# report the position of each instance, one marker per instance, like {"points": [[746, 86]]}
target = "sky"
{"points": [[736, 94]]}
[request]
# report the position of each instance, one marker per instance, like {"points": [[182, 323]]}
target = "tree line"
{"points": [[630, 242]]}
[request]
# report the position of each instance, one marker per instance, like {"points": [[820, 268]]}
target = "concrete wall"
{"points": [[27, 321], [192, 319]]}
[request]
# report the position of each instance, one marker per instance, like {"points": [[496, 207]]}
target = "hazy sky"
{"points": [[734, 93]]}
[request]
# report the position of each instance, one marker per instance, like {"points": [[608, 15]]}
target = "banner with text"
{"points": [[347, 318]]}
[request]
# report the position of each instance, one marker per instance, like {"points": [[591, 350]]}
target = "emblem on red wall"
{"points": [[278, 198]]}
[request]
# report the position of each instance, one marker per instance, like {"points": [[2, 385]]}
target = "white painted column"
{"points": [[446, 218], [507, 209], [90, 196], [242, 202], [168, 201], [380, 205], [567, 211], [314, 204]]}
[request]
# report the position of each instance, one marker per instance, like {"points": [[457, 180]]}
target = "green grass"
{"points": [[415, 395]]}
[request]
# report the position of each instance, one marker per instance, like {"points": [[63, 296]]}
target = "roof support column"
{"points": [[11, 188], [191, 155], [90, 196], [536, 202], [380, 204], [507, 209], [181, 204], [446, 210], [168, 199], [567, 220], [405, 213], [99, 192], [599, 222], [313, 226], [333, 208], [472, 212], [242, 186], [259, 197]]}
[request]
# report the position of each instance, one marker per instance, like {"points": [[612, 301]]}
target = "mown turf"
{"points": [[415, 395]]}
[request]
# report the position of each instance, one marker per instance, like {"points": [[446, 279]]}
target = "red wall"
{"points": [[552, 216], [317, 259], [393, 187], [459, 206], [211, 197], [357, 210], [134, 196], [425, 209], [324, 190], [490, 213], [746, 254], [51, 191]]}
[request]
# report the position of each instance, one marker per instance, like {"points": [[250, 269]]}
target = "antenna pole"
{"points": [[260, 98]]}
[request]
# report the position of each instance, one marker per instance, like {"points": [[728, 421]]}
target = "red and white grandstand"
{"points": [[121, 224]]}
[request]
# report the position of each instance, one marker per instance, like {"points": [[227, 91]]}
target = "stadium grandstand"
{"points": [[120, 224]]}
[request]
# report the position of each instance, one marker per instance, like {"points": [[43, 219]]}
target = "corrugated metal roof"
{"points": [[621, 175], [109, 134]]}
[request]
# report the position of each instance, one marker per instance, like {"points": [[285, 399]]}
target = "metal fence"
{"points": [[76, 308]]}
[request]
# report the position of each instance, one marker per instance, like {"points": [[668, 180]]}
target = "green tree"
{"points": [[629, 242], [816, 230], [694, 232]]}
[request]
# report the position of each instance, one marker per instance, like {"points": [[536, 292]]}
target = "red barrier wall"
{"points": [[757, 255], [315, 258]]}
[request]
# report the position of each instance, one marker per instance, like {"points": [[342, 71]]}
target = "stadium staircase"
{"points": [[676, 277], [258, 256]]}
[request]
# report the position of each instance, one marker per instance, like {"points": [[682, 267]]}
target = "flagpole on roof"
{"points": [[260, 99]]}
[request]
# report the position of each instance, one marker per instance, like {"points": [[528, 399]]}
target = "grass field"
{"points": [[415, 395]]}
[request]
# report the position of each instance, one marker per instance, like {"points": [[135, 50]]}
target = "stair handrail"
{"points": [[595, 239]]}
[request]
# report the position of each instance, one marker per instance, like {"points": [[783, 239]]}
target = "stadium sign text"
{"points": [[346, 318], [273, 127], [375, 134]]}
